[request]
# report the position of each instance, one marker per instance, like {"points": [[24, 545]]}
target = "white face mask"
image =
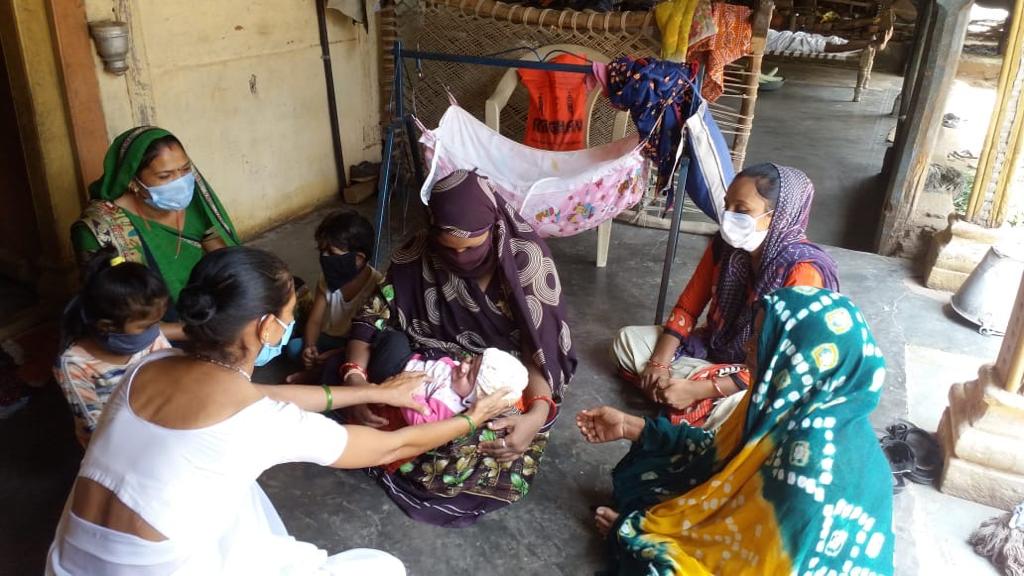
{"points": [[740, 230]]}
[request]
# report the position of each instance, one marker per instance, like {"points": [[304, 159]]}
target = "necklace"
{"points": [[243, 373]]}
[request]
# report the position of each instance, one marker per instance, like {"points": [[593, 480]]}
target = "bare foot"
{"points": [[604, 424], [604, 519]]}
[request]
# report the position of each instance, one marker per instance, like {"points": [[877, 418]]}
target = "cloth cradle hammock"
{"points": [[559, 193]]}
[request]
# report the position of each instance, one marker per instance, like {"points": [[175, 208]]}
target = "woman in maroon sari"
{"points": [[479, 277]]}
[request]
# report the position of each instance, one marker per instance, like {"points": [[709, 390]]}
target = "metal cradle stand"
{"points": [[404, 122]]}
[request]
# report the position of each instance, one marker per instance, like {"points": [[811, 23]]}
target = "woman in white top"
{"points": [[168, 484]]}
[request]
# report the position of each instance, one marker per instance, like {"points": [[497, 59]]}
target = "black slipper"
{"points": [[901, 460], [926, 454]]}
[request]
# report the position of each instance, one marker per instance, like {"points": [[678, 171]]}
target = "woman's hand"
{"points": [[607, 424], [399, 389], [654, 377], [680, 393], [487, 407], [519, 433], [604, 424]]}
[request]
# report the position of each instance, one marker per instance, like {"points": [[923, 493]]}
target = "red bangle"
{"points": [[349, 367], [552, 413], [718, 389]]}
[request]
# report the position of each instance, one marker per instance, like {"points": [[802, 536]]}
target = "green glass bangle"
{"points": [[472, 426], [330, 397]]}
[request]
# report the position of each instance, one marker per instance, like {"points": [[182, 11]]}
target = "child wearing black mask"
{"points": [[345, 242], [112, 323]]}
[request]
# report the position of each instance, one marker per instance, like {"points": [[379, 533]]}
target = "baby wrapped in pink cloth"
{"points": [[453, 384]]}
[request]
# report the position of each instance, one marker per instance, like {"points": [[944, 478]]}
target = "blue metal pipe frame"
{"points": [[401, 122]]}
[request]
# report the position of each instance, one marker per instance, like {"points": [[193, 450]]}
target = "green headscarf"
{"points": [[172, 256]]}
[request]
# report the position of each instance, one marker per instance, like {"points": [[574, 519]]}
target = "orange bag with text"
{"points": [[558, 102]]}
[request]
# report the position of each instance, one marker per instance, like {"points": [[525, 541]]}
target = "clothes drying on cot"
{"points": [[558, 193]]}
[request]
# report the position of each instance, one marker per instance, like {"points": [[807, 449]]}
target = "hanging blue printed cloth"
{"points": [[656, 94]]}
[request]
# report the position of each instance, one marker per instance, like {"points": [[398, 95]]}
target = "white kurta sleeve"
{"points": [[295, 435]]}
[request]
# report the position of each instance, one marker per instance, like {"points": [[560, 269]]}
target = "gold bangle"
{"points": [[658, 364]]}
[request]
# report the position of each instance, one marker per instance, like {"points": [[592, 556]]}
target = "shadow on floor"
{"points": [[39, 458], [15, 298]]}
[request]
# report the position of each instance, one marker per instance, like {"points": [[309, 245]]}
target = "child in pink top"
{"points": [[452, 384]]}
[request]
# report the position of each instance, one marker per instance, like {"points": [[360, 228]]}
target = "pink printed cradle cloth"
{"points": [[558, 193]]}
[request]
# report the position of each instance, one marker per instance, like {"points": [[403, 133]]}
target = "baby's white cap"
{"points": [[499, 371]]}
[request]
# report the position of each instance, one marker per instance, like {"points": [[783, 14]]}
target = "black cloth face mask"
{"points": [[339, 269]]}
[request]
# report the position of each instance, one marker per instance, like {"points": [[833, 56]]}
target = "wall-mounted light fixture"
{"points": [[111, 39]]}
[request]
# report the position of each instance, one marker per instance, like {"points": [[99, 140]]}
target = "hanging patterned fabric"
{"points": [[730, 42], [654, 92]]}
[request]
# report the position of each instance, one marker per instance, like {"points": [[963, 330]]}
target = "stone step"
{"points": [[990, 408], [981, 446], [975, 482]]}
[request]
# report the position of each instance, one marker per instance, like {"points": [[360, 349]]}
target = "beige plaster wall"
{"points": [[241, 83]]}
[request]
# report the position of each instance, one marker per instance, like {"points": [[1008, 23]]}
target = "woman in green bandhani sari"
{"points": [[794, 482], [154, 206]]}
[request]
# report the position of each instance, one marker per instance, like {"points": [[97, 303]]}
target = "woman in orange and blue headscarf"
{"points": [[793, 482]]}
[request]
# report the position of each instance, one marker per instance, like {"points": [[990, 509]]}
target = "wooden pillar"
{"points": [[1010, 364], [762, 20], [945, 31], [1001, 153], [387, 24], [27, 33], [78, 72]]}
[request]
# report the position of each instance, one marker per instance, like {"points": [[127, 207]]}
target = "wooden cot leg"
{"points": [[604, 242], [867, 61]]}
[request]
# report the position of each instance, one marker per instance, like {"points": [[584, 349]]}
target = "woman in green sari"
{"points": [[154, 207]]}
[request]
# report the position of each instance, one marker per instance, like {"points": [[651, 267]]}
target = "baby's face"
{"points": [[467, 370]]}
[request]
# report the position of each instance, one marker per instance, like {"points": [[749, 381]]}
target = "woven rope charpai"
{"points": [[485, 27], [855, 55], [444, 27]]}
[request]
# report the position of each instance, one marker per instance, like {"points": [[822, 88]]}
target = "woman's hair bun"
{"points": [[196, 306], [227, 290]]}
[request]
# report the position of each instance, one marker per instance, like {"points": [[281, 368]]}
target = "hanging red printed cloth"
{"points": [[558, 102], [730, 42]]}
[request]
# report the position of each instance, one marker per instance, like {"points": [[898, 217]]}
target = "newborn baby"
{"points": [[452, 384]]}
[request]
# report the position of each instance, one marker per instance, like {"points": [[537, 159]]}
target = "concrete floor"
{"points": [[812, 124], [549, 532], [339, 510]]}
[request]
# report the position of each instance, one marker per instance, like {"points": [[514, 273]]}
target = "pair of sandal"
{"points": [[913, 455]]}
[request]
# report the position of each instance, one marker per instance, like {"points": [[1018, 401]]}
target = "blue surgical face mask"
{"points": [[270, 351], [128, 344], [173, 196]]}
